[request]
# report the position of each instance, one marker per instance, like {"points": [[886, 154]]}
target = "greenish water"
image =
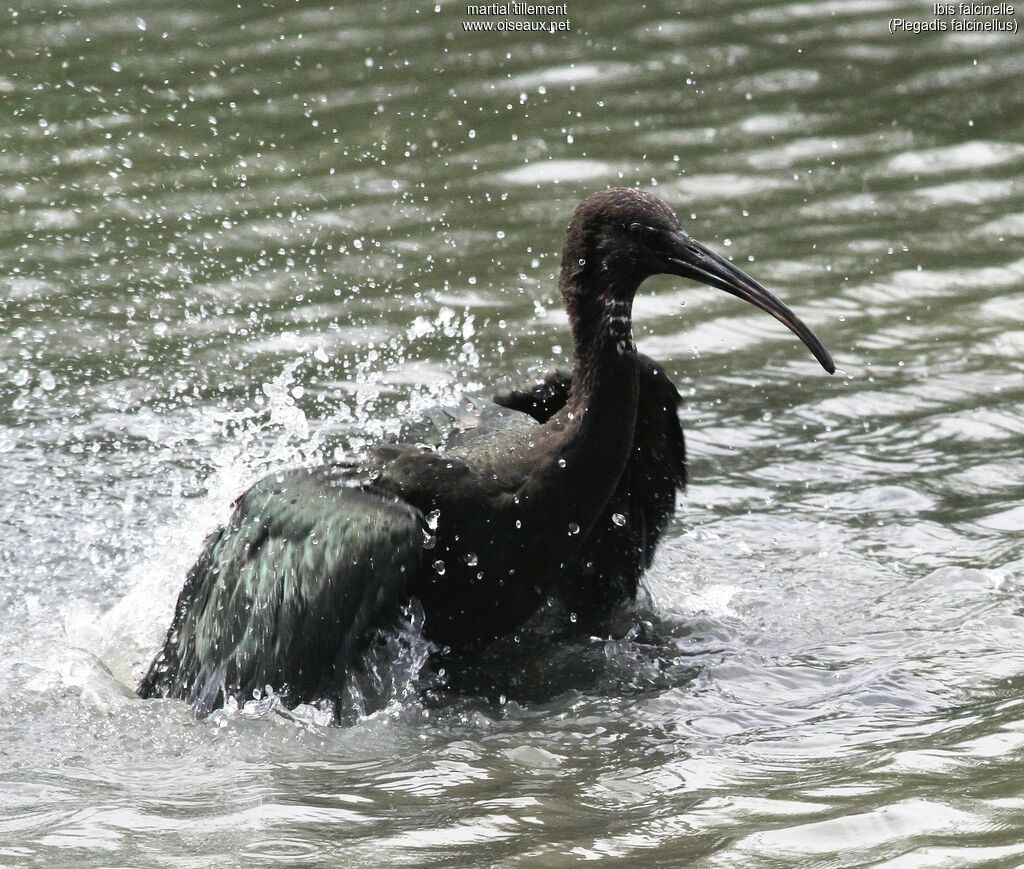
{"points": [[236, 237]]}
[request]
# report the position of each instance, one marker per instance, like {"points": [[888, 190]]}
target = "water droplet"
{"points": [[439, 567], [561, 463], [618, 519], [432, 518], [573, 529], [429, 540], [471, 559], [47, 381], [573, 618], [519, 524]]}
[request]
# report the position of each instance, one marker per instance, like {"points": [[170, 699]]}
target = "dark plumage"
{"points": [[608, 569], [560, 488]]}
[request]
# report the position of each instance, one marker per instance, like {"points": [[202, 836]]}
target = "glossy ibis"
{"points": [[609, 565], [563, 488]]}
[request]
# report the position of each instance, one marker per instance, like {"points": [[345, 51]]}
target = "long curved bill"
{"points": [[688, 258]]}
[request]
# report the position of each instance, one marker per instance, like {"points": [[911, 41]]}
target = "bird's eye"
{"points": [[642, 232]]}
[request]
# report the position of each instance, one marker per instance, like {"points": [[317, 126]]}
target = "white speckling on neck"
{"points": [[618, 320]]}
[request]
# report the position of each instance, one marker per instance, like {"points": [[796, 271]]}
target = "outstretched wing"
{"points": [[472, 421], [542, 398], [475, 418], [286, 593]]}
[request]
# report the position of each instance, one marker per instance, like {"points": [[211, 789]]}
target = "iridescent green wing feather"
{"points": [[288, 591]]}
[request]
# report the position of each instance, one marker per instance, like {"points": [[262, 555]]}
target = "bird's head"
{"points": [[618, 238]]}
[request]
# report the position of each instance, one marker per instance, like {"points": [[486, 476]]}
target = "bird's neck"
{"points": [[600, 414], [604, 354], [591, 437]]}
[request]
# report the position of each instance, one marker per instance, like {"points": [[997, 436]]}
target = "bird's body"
{"points": [[563, 489], [622, 543]]}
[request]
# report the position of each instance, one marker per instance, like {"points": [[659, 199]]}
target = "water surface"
{"points": [[240, 237]]}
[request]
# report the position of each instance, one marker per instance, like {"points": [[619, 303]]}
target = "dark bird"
{"points": [[562, 488], [608, 568]]}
